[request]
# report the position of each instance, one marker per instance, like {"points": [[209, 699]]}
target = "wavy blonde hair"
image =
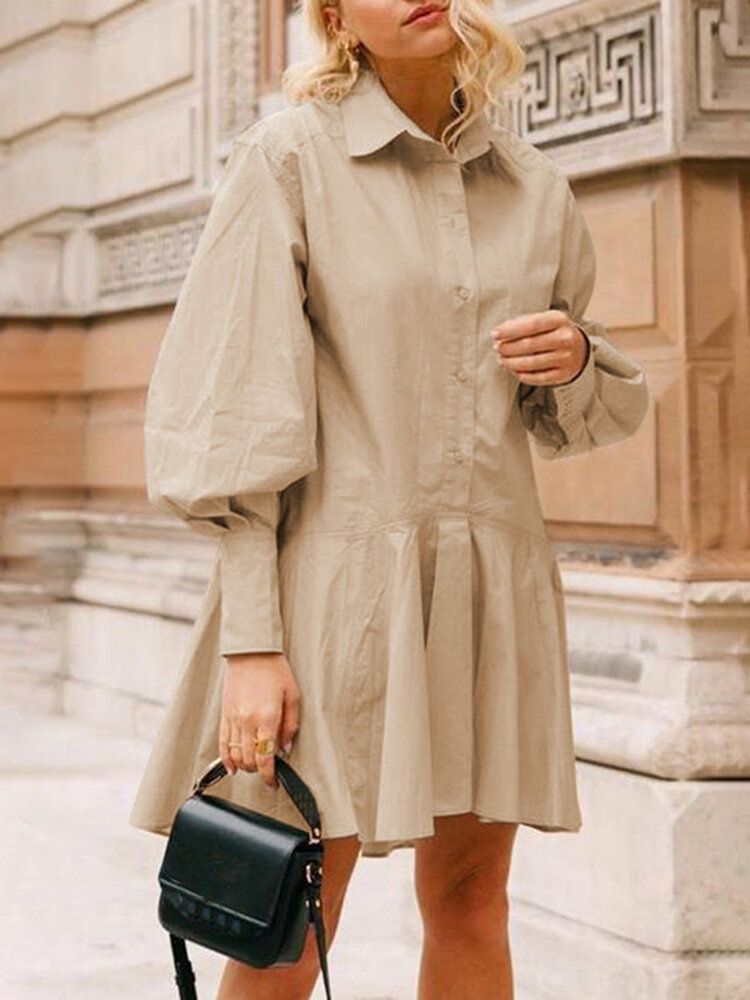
{"points": [[488, 62]]}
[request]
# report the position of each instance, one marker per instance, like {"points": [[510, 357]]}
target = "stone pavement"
{"points": [[86, 926]]}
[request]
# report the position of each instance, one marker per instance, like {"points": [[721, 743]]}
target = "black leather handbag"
{"points": [[242, 883]]}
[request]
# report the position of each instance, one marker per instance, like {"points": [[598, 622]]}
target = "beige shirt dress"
{"points": [[327, 405]]}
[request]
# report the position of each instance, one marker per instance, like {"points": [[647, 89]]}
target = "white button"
{"points": [[462, 292], [450, 221], [457, 455], [461, 375]]}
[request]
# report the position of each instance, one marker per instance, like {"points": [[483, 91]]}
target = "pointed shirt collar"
{"points": [[372, 119]]}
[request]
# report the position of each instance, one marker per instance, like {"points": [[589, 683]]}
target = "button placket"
{"points": [[463, 322]]}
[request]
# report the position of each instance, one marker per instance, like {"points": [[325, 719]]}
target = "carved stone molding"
{"points": [[143, 259], [147, 256], [237, 54], [595, 80], [609, 84], [722, 33]]}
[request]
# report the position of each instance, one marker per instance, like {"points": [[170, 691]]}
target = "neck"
{"points": [[421, 90]]}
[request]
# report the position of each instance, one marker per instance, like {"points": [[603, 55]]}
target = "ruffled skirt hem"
{"points": [[432, 664], [383, 848]]}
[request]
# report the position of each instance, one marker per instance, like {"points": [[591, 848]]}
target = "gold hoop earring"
{"points": [[353, 52]]}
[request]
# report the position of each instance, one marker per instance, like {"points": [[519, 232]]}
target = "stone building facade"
{"points": [[115, 118]]}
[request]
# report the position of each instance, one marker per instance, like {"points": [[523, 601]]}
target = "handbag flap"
{"points": [[230, 857]]}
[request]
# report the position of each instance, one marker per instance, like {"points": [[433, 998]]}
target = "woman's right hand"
{"points": [[261, 699]]}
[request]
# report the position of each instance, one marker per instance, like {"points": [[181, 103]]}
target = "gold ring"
{"points": [[264, 744]]}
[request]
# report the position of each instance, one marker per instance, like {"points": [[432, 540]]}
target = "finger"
{"points": [[224, 737], [527, 324], [267, 763], [526, 346], [561, 337], [289, 720], [235, 742], [552, 376], [529, 363], [246, 736], [268, 727]]}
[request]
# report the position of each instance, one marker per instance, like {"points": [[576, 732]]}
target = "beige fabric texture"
{"points": [[327, 405]]}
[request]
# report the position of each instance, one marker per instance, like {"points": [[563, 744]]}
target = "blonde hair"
{"points": [[488, 62]]}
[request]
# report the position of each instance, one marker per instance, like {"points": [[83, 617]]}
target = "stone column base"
{"points": [[559, 959], [650, 899]]}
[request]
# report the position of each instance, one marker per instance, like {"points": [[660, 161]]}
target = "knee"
{"points": [[473, 902]]}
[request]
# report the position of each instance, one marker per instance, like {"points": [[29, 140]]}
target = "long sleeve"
{"points": [[230, 417], [607, 401]]}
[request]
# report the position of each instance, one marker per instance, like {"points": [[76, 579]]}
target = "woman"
{"points": [[385, 308]]}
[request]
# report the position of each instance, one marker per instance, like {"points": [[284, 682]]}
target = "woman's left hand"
{"points": [[544, 348]]}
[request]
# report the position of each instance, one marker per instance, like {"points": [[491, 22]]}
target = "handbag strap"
{"points": [[185, 977], [299, 792], [312, 886], [183, 970], [295, 787]]}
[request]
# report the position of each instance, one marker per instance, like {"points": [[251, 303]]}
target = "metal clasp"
{"points": [[203, 781], [313, 879]]}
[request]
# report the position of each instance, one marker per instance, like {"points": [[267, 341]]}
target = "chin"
{"points": [[440, 44]]}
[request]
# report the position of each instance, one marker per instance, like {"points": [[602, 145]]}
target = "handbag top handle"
{"points": [[296, 788]]}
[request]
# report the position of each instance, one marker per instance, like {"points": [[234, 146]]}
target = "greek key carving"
{"points": [[722, 31], [149, 256], [597, 79]]}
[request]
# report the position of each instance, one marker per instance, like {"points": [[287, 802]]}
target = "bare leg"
{"points": [[296, 982], [461, 885]]}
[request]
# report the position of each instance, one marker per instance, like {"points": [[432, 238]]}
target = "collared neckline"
{"points": [[372, 119]]}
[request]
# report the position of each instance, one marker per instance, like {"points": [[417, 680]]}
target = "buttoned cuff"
{"points": [[572, 398], [248, 570]]}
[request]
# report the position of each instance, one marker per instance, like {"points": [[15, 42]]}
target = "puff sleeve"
{"points": [[607, 401], [230, 417]]}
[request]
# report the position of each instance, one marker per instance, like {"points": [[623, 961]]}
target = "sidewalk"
{"points": [[86, 925]]}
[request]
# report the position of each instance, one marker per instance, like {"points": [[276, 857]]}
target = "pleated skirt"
{"points": [[431, 658]]}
